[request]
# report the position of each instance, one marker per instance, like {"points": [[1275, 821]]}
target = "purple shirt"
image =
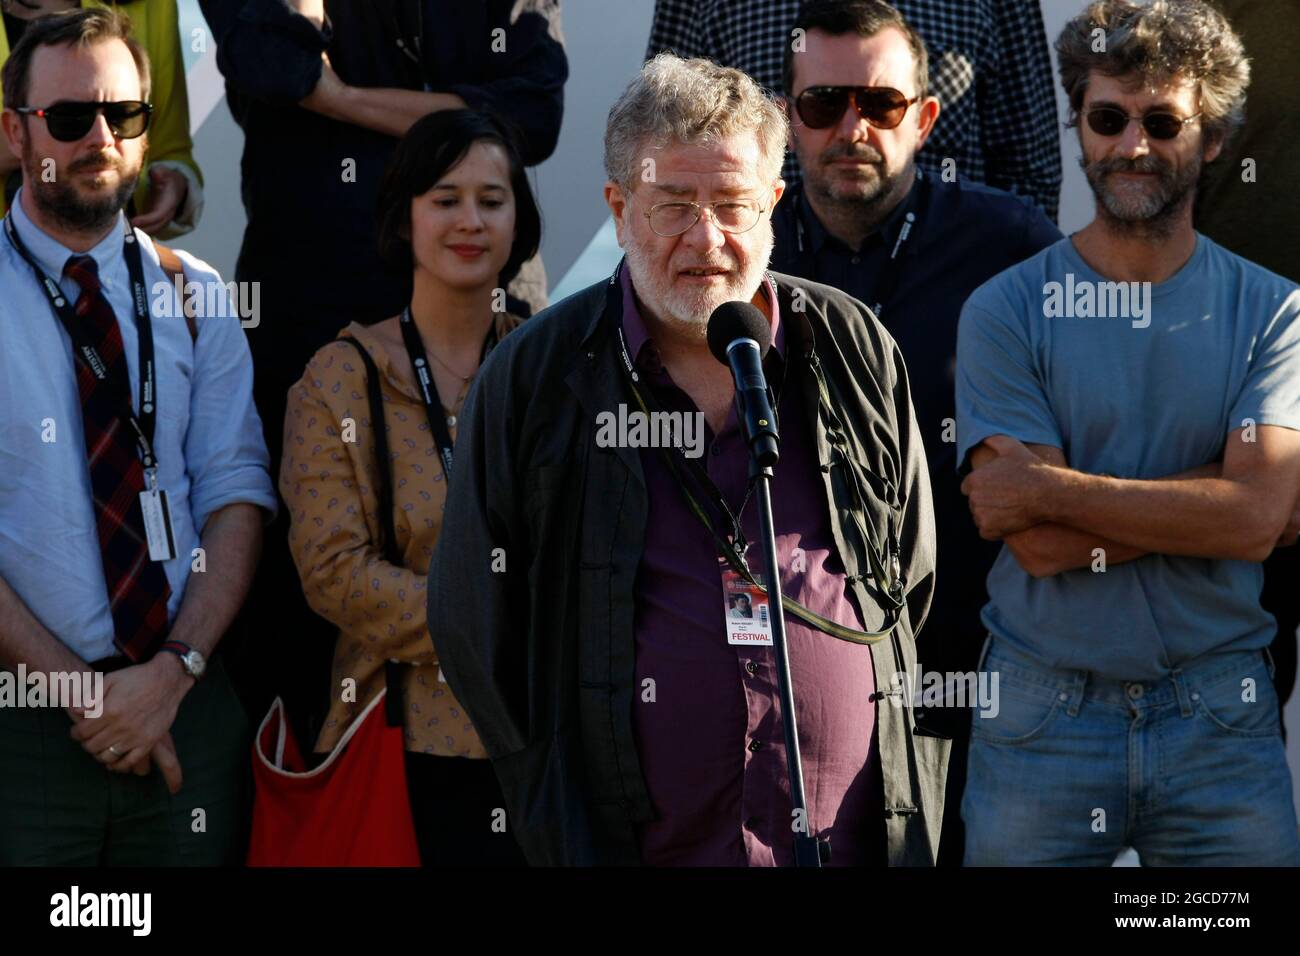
{"points": [[711, 743]]}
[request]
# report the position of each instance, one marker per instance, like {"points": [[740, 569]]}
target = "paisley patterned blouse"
{"points": [[335, 533]]}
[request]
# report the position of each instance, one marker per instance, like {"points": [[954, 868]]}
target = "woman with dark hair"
{"points": [[455, 208]]}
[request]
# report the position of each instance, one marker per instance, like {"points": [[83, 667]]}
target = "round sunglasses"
{"points": [[69, 122], [1159, 124], [881, 106]]}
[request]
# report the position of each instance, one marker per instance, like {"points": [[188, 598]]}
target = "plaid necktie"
{"points": [[137, 587]]}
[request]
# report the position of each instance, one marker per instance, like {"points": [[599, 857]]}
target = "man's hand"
{"points": [[167, 191], [383, 109], [140, 704], [313, 10], [1011, 492], [140, 768], [164, 754]]}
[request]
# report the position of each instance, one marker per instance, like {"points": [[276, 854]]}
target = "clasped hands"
{"points": [[134, 729]]}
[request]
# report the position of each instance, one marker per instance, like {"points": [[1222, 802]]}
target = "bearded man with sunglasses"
{"points": [[133, 486], [1129, 406], [912, 246]]}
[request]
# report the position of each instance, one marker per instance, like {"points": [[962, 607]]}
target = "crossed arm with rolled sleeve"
{"points": [[1053, 518]]}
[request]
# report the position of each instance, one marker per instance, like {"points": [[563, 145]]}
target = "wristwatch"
{"points": [[193, 662]]}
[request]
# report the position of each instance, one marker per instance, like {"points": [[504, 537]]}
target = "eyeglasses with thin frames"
{"points": [[734, 216]]}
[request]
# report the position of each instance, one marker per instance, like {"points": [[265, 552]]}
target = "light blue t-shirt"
{"points": [[1146, 393]]}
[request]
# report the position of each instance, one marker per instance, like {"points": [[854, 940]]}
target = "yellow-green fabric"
{"points": [[155, 24]]}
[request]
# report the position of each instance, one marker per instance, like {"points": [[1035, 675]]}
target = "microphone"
{"points": [[739, 337]]}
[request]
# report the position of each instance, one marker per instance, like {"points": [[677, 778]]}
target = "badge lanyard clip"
{"points": [[890, 586]]}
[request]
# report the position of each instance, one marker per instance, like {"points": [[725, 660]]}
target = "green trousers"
{"points": [[60, 807]]}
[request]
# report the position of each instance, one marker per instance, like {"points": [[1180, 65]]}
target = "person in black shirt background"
{"points": [[323, 90], [912, 247]]}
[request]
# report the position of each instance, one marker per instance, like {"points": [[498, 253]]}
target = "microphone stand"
{"points": [[808, 851]]}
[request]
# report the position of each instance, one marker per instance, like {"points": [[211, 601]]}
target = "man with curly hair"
{"points": [[1128, 407]]}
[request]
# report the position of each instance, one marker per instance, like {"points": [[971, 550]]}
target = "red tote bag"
{"points": [[352, 810]]}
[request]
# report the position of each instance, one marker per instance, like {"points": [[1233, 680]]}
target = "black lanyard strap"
{"points": [[649, 404], [889, 585], [892, 274], [429, 390], [143, 420]]}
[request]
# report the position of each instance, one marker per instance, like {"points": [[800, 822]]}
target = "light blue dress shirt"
{"points": [[208, 437]]}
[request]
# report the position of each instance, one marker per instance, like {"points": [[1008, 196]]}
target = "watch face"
{"points": [[195, 664]]}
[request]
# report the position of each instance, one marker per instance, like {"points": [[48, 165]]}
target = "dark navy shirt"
{"points": [[915, 272]]}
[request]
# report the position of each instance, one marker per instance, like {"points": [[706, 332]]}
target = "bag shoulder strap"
{"points": [[171, 263], [384, 491]]}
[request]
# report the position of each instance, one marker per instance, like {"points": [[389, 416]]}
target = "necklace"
{"points": [[464, 378]]}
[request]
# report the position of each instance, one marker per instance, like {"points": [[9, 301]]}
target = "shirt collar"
{"points": [[816, 233], [638, 335], [51, 255]]}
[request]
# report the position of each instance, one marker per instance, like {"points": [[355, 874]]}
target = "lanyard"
{"points": [[888, 282], [143, 423], [738, 545], [888, 580], [428, 390], [412, 46]]}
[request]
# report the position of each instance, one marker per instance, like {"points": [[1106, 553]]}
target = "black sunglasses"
{"points": [[1112, 121], [69, 122], [881, 106]]}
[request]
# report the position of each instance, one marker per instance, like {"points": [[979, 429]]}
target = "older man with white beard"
{"points": [[583, 591]]}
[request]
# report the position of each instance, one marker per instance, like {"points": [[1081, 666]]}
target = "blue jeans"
{"points": [[1073, 768]]}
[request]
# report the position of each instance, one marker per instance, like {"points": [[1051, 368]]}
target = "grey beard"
{"points": [[692, 324], [1156, 217]]}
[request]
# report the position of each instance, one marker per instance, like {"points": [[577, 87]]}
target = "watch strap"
{"points": [[181, 650]]}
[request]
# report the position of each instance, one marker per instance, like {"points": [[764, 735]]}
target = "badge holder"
{"points": [[157, 519]]}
